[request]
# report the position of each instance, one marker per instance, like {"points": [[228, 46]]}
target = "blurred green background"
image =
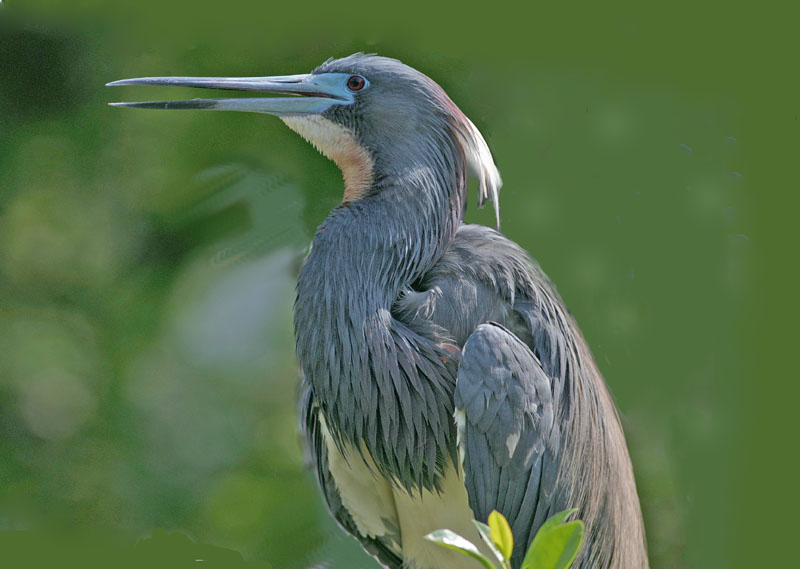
{"points": [[147, 374]]}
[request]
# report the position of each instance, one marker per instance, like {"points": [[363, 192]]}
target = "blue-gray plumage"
{"points": [[443, 376]]}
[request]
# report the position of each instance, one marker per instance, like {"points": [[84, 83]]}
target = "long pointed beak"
{"points": [[308, 94]]}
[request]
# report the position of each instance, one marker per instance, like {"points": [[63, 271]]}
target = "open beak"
{"points": [[307, 94]]}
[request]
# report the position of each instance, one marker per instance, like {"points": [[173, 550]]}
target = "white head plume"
{"points": [[480, 164]]}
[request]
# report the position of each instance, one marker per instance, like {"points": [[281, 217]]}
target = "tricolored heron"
{"points": [[443, 377]]}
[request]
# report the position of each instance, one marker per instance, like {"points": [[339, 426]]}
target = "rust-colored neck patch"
{"points": [[340, 145]]}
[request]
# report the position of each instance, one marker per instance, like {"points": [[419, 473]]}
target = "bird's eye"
{"points": [[356, 82]]}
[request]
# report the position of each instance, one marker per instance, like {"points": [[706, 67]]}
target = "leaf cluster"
{"points": [[554, 546]]}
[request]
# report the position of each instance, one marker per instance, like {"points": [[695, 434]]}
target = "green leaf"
{"points": [[501, 533], [486, 535], [557, 519], [555, 546], [452, 540]]}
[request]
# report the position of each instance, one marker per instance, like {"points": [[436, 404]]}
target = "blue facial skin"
{"points": [[318, 93]]}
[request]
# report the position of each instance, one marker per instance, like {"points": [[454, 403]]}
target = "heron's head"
{"points": [[374, 116]]}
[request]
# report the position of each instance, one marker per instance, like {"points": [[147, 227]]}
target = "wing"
{"points": [[508, 436], [312, 428]]}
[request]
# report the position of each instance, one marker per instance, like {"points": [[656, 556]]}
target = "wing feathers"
{"points": [[509, 431]]}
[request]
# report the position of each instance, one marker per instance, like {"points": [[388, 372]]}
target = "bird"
{"points": [[442, 375]]}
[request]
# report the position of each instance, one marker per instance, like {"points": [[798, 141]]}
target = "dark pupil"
{"points": [[355, 83]]}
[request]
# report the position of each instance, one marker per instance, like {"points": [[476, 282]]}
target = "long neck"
{"points": [[369, 373]]}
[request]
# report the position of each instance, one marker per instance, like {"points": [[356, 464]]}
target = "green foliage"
{"points": [[452, 540], [486, 535], [501, 533], [555, 545]]}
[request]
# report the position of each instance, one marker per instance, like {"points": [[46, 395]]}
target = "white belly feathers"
{"points": [[381, 510]]}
